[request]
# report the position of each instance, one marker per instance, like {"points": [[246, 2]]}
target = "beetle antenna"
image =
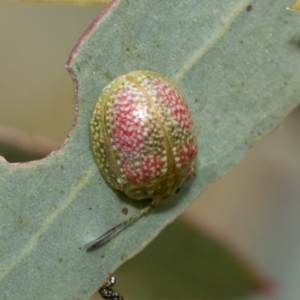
{"points": [[102, 238]]}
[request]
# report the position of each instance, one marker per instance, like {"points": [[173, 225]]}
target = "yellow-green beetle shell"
{"points": [[142, 136]]}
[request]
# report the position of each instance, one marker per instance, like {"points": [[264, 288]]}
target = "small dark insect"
{"points": [[107, 293]]}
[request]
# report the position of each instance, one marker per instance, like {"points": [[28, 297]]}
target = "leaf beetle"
{"points": [[143, 139]]}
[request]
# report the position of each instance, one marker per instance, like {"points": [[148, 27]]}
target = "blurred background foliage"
{"points": [[254, 209]]}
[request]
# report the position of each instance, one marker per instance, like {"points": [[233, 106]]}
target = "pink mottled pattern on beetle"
{"points": [[174, 102], [150, 168], [129, 134], [136, 129], [128, 131], [180, 112], [187, 153]]}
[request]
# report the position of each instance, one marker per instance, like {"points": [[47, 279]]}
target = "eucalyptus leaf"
{"points": [[236, 62]]}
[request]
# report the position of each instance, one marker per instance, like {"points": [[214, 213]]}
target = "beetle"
{"points": [[143, 139]]}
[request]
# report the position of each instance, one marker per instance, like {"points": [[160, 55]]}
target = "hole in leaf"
{"points": [[36, 91]]}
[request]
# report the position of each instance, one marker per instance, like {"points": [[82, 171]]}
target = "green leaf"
{"points": [[236, 62]]}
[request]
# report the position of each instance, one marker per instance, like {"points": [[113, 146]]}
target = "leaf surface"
{"points": [[236, 62]]}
